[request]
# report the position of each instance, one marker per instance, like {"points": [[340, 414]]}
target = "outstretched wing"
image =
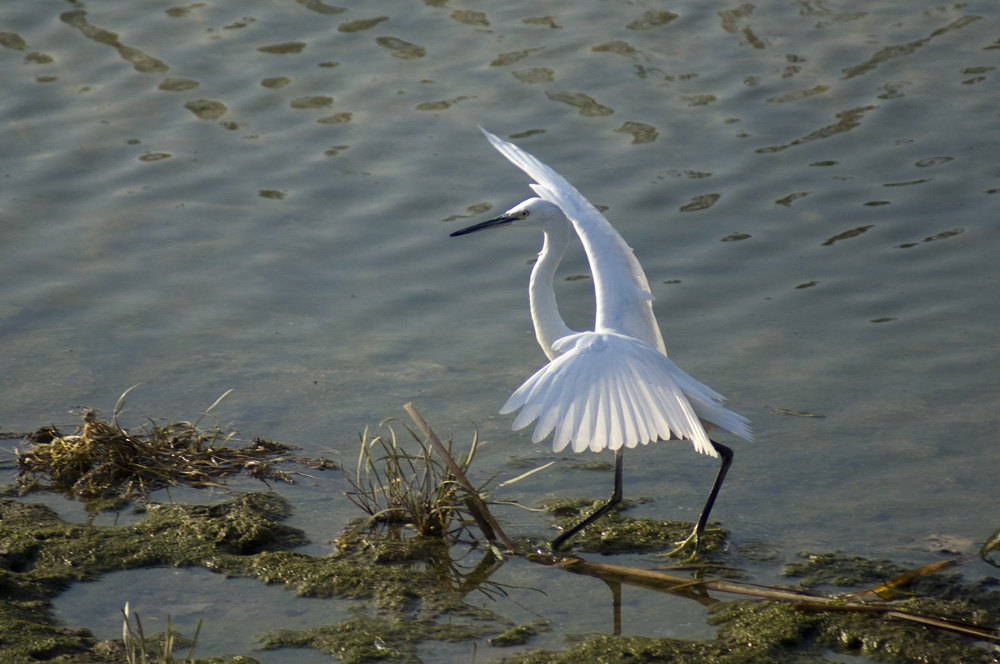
{"points": [[610, 390], [623, 299]]}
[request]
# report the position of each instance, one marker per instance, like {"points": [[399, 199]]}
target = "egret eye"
{"points": [[523, 214]]}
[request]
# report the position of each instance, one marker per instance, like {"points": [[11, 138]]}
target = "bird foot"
{"points": [[694, 539]]}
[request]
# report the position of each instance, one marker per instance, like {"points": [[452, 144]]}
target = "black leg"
{"points": [[616, 497], [727, 460]]}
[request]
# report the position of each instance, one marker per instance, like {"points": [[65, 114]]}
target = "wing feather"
{"points": [[615, 386], [610, 390], [623, 298]]}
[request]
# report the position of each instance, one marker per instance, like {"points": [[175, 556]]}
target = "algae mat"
{"points": [[402, 605]]}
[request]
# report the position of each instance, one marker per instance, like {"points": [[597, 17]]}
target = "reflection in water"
{"points": [[588, 105], [617, 46], [321, 7], [281, 49], [206, 109], [143, 244], [470, 17], [505, 59], [846, 235], [142, 62], [401, 49], [846, 120], [796, 95], [641, 133], [440, 105], [315, 101], [701, 202], [361, 24], [651, 19], [900, 50], [534, 75], [178, 84]]}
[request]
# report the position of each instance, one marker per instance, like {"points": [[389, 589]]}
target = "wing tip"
{"points": [[491, 137]]}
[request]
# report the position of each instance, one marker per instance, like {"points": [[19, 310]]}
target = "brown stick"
{"points": [[675, 582], [800, 600], [491, 529], [658, 580]]}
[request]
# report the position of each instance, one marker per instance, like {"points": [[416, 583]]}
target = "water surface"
{"points": [[256, 196]]}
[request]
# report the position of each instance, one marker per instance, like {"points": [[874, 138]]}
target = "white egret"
{"points": [[613, 387]]}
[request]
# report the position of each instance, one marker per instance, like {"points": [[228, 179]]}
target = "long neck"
{"points": [[549, 325]]}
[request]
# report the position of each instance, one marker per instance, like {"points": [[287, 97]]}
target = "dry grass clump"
{"points": [[102, 461], [397, 487]]}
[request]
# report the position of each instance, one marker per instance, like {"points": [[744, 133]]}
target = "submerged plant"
{"points": [[396, 487]]}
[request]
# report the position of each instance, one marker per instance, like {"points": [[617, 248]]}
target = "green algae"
{"points": [[766, 632], [365, 638], [593, 465], [837, 569], [615, 533], [520, 634], [649, 650], [877, 637], [409, 593], [42, 555]]}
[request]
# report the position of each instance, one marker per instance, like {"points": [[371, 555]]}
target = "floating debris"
{"points": [[102, 464]]}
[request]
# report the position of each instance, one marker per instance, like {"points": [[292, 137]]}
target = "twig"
{"points": [[662, 581], [675, 582], [491, 529], [956, 626], [802, 601]]}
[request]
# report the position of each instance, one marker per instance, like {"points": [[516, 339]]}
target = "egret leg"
{"points": [[616, 606], [727, 460], [616, 497]]}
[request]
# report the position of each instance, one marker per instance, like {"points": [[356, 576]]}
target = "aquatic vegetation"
{"points": [[396, 487], [841, 570], [520, 634], [42, 555], [410, 593], [102, 464], [366, 638], [157, 649], [617, 533], [241, 537]]}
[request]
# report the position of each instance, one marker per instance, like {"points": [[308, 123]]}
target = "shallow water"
{"points": [[186, 596], [257, 197]]}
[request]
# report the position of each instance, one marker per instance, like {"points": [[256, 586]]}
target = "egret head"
{"points": [[532, 213]]}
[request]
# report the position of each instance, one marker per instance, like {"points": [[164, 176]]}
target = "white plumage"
{"points": [[613, 387]]}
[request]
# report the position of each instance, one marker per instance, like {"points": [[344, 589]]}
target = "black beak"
{"points": [[498, 222]]}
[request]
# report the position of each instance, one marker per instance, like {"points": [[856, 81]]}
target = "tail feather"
{"points": [[607, 390]]}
